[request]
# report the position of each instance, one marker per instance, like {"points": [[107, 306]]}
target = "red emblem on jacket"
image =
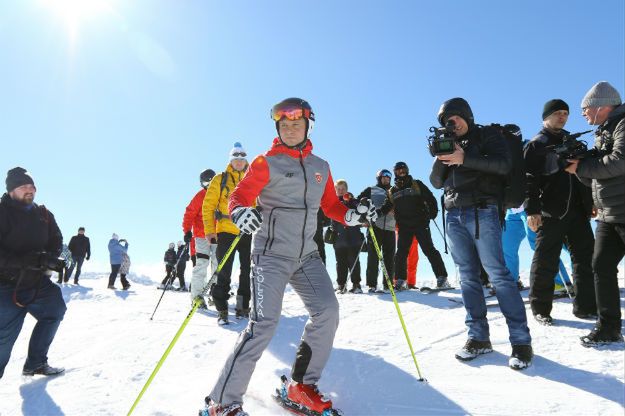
{"points": [[318, 177]]}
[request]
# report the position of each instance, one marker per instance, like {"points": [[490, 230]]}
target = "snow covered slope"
{"points": [[109, 347]]}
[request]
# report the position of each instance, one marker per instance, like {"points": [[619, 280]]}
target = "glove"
{"points": [[247, 219], [53, 263], [188, 236], [364, 212], [366, 208]]}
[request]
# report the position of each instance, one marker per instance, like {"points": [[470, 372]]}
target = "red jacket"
{"points": [[192, 220]]}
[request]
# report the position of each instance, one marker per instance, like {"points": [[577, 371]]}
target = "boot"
{"points": [[308, 396], [222, 318], [44, 370]]}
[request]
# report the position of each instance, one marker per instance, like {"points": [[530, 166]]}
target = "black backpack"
{"points": [[515, 183]]}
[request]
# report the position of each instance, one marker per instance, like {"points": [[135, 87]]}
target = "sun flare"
{"points": [[77, 12]]}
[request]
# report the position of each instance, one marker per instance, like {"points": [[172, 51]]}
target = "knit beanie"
{"points": [[17, 177], [601, 94], [455, 107], [554, 105], [237, 152]]}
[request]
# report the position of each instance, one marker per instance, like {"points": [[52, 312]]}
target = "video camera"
{"points": [[571, 148], [443, 139]]}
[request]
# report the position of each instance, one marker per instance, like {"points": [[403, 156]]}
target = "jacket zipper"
{"points": [[301, 162]]}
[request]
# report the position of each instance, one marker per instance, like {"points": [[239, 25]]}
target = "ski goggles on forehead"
{"points": [[386, 174], [291, 113]]}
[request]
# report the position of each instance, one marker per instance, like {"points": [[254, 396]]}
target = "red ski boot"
{"points": [[308, 396]]}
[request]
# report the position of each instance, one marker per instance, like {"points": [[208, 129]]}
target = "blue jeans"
{"points": [[48, 308], [467, 252]]}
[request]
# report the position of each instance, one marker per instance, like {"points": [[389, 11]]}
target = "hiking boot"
{"points": [[308, 396], [111, 287], [521, 357], [588, 315], [341, 289], [442, 283], [412, 286], [126, 287], [399, 285], [234, 409], [602, 336], [545, 320], [222, 318], [355, 288], [75, 281], [44, 370], [472, 348], [372, 289], [242, 313]]}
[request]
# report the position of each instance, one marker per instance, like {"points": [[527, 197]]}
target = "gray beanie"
{"points": [[601, 94]]}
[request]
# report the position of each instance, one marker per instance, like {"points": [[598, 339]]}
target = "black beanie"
{"points": [[554, 105], [17, 177], [455, 107]]}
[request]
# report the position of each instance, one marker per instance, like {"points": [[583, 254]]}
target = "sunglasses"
{"points": [[239, 154], [291, 113]]}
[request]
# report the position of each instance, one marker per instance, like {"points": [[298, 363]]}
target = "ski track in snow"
{"points": [[109, 347]]}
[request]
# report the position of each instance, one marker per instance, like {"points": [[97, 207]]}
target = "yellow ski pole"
{"points": [[196, 303], [389, 283]]}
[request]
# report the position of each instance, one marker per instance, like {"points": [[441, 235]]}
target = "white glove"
{"points": [[247, 219], [364, 212], [366, 208]]}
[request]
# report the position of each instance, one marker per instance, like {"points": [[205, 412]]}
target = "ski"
{"points": [[282, 399], [428, 290]]}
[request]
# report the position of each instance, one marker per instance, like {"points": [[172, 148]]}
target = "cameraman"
{"points": [[605, 173], [473, 178], [558, 207], [30, 242]]}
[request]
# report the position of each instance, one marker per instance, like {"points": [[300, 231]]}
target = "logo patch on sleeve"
{"points": [[318, 177]]}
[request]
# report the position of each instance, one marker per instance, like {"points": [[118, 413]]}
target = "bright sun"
{"points": [[75, 12]]}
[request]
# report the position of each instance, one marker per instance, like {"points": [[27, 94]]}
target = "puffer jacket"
{"points": [[481, 177], [551, 191], [116, 251], [25, 230], [215, 207], [290, 186], [606, 172], [192, 219], [413, 203]]}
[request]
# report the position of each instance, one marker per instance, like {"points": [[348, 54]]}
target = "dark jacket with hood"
{"points": [[606, 172], [79, 246], [25, 231], [413, 203], [551, 191], [480, 179]]}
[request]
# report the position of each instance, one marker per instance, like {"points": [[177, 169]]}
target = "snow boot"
{"points": [[545, 320], [44, 370], [308, 397], [222, 319], [472, 348], [341, 289], [399, 285], [521, 357], [355, 288], [602, 336], [442, 283], [214, 409]]}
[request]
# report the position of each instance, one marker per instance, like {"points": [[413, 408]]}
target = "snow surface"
{"points": [[109, 347]]}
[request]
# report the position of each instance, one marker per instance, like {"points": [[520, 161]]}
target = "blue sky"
{"points": [[116, 111]]}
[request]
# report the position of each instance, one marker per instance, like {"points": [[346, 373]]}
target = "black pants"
{"points": [[221, 290], [404, 240], [346, 258], [169, 276], [321, 248], [77, 261], [575, 228], [386, 241], [182, 265], [113, 275], [609, 251]]}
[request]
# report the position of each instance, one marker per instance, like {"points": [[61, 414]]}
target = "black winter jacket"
{"points": [[79, 246], [25, 231], [182, 255], [606, 173], [550, 190], [480, 179], [413, 203], [170, 257]]}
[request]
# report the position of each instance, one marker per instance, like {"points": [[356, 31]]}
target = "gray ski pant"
{"points": [[270, 275], [204, 250]]}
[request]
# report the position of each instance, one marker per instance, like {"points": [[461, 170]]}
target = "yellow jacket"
{"points": [[216, 199]]}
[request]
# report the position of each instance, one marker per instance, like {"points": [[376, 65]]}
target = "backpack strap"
{"points": [[223, 184]]}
